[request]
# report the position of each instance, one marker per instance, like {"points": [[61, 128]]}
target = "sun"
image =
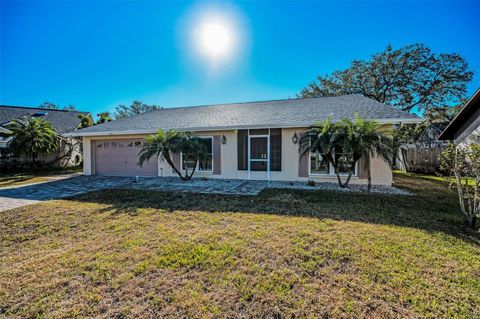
{"points": [[215, 39]]}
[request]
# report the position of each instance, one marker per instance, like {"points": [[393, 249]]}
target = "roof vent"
{"points": [[39, 114]]}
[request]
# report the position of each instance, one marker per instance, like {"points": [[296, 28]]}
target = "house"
{"points": [[257, 140], [431, 133], [63, 121], [465, 127]]}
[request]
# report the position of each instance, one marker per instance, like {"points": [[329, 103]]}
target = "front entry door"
{"points": [[259, 157]]}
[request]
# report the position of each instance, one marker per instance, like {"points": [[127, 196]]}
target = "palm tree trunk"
{"points": [[186, 166], [170, 162], [369, 172], [348, 179], [193, 171]]}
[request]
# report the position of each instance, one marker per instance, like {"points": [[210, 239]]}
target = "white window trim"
{"points": [[331, 170], [197, 169]]}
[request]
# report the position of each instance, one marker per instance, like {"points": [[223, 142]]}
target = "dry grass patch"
{"points": [[21, 179], [162, 255]]}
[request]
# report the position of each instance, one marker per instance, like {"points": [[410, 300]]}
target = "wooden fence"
{"points": [[422, 157]]}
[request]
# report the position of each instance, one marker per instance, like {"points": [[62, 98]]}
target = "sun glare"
{"points": [[215, 39]]}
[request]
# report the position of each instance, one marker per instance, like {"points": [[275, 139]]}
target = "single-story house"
{"points": [[257, 140], [63, 121], [465, 127]]}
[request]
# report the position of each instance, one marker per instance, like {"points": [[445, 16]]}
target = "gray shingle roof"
{"points": [[302, 112], [63, 121]]}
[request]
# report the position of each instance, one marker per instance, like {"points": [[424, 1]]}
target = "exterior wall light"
{"points": [[295, 138], [224, 139]]}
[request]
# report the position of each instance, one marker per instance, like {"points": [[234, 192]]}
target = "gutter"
{"points": [[445, 131]]}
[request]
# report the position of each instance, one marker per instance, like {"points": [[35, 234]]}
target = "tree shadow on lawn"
{"points": [[433, 208]]}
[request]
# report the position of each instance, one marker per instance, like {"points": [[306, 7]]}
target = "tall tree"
{"points": [[103, 117], [137, 107], [409, 78], [33, 137], [84, 121]]}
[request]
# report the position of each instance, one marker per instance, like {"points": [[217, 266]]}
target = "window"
{"points": [[318, 165], [205, 164], [344, 162], [138, 144]]}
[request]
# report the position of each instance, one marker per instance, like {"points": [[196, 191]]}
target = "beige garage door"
{"points": [[120, 157]]}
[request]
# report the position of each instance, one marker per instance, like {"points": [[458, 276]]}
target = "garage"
{"points": [[120, 157]]}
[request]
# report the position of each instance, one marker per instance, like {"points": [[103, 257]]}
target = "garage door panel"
{"points": [[120, 157]]}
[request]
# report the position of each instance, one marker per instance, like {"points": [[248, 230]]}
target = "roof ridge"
{"points": [[42, 108], [254, 102]]}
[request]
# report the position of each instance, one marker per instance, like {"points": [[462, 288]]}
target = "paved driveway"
{"points": [[26, 195]]}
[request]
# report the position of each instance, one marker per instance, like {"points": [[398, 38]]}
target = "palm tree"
{"points": [[356, 139], [32, 137], [322, 139], [163, 144], [361, 138]]}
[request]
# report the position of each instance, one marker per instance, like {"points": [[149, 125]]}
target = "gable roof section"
{"points": [[302, 112], [63, 120], [464, 118]]}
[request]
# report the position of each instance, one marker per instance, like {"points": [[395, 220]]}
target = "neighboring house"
{"points": [[431, 133], [465, 127], [257, 140], [70, 152]]}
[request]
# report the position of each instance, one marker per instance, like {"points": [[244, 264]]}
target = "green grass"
{"points": [[471, 181], [282, 254]]}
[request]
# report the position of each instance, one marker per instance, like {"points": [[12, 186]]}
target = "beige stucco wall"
{"points": [[381, 172]]}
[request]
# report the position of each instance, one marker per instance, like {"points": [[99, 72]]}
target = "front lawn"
{"points": [[21, 179], [282, 254], [18, 179]]}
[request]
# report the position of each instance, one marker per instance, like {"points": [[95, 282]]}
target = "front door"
{"points": [[259, 154]]}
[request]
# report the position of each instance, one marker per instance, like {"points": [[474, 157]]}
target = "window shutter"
{"points": [[303, 162], [242, 145], [217, 155], [276, 149]]}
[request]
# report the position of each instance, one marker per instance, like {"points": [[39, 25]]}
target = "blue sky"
{"points": [[96, 55]]}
